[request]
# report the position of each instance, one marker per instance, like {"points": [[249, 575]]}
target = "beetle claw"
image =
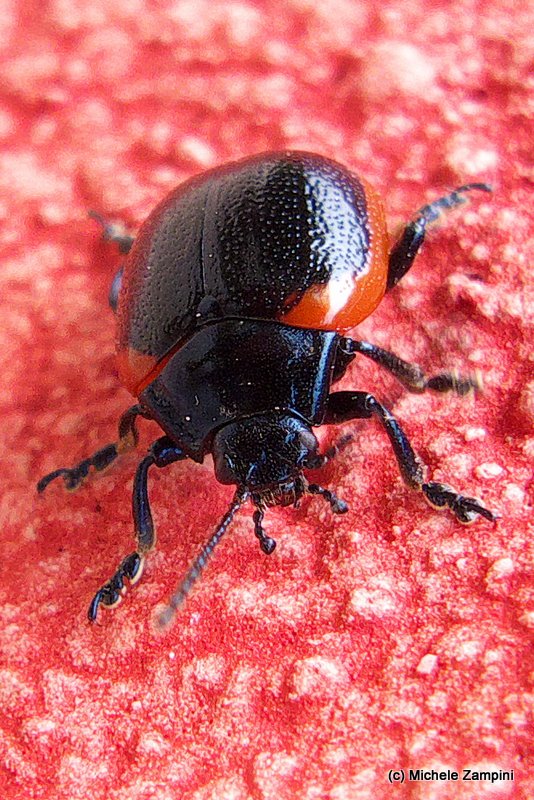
{"points": [[465, 509]]}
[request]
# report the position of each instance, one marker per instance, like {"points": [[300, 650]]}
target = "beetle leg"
{"points": [[344, 406], [114, 289], [161, 453], [408, 245], [114, 232], [410, 375], [128, 437]]}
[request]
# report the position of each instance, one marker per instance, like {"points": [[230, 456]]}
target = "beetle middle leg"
{"points": [[73, 477], [161, 453], [411, 376], [344, 406]]}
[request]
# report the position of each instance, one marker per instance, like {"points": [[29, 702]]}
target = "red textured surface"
{"points": [[391, 637]]}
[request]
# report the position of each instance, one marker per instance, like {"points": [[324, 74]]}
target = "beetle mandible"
{"points": [[233, 307]]}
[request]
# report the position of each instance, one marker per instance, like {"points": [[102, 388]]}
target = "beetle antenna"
{"points": [[167, 615]]}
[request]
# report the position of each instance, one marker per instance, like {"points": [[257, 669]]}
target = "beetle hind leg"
{"points": [[162, 453], [408, 245]]}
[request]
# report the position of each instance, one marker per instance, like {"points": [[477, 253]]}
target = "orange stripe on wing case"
{"points": [[134, 368], [346, 300]]}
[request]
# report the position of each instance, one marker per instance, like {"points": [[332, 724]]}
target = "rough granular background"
{"points": [[389, 638]]}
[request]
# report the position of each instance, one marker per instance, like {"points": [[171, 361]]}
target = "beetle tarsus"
{"points": [[453, 382], [73, 477], [110, 594], [465, 509]]}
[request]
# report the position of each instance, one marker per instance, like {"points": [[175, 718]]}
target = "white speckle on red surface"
{"points": [[489, 471], [488, 302], [467, 157], [527, 619], [209, 670], [502, 568], [497, 576], [230, 788], [473, 434], [526, 402], [528, 448], [199, 151], [273, 773], [153, 744], [112, 49], [380, 598], [318, 676], [397, 66], [428, 664], [514, 494]]}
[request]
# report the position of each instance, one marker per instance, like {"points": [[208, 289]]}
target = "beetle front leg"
{"points": [[161, 453], [408, 245], [410, 375], [73, 477], [344, 406]]}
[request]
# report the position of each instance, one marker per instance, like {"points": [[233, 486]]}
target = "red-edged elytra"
{"points": [[233, 307]]}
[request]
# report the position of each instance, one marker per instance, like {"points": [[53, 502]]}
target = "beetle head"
{"points": [[265, 455]]}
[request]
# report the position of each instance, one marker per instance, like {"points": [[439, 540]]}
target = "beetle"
{"points": [[233, 308]]}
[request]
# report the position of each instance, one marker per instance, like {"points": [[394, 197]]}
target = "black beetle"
{"points": [[233, 306]]}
